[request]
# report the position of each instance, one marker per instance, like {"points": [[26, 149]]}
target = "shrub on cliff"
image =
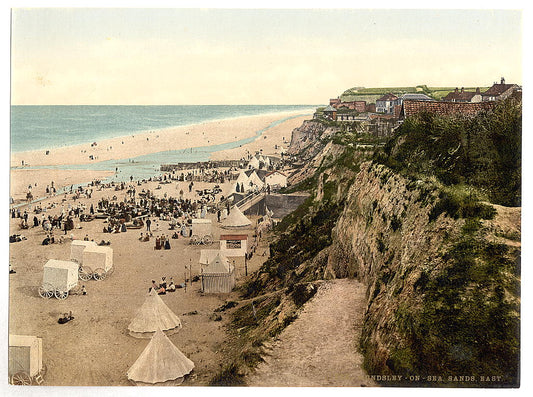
{"points": [[483, 151]]}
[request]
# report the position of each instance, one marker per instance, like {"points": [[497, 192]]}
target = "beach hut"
{"points": [[208, 256], [25, 360], [154, 314], [59, 277], [234, 244], [218, 276], [201, 231], [76, 249], [236, 219], [276, 179], [100, 259], [160, 363]]}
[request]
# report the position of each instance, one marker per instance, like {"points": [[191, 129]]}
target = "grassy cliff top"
{"points": [[371, 94]]}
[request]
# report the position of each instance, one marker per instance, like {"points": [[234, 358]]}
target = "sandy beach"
{"points": [[95, 348], [184, 137]]}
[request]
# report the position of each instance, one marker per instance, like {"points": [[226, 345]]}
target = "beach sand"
{"points": [[21, 179], [95, 348], [138, 144]]}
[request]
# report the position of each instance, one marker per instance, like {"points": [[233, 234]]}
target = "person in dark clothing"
{"points": [[66, 318], [148, 223]]}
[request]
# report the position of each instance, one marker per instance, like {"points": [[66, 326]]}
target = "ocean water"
{"points": [[47, 127]]}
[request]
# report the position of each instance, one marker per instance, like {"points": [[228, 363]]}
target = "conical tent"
{"points": [[161, 361], [154, 314], [255, 180], [236, 219]]}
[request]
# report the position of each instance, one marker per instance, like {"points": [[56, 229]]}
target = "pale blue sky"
{"points": [[200, 56]]}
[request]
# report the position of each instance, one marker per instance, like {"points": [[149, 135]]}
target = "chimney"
{"points": [[477, 91], [462, 89], [456, 89], [503, 80]]}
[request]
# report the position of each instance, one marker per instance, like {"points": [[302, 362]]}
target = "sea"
{"points": [[48, 127]]}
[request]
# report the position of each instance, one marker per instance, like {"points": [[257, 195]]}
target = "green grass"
{"points": [[371, 94]]}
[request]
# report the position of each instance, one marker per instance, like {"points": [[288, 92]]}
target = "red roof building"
{"points": [[386, 103], [463, 96], [412, 108]]}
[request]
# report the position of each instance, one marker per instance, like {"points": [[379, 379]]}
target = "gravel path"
{"points": [[320, 347]]}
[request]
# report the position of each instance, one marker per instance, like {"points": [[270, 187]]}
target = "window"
{"points": [[233, 244]]}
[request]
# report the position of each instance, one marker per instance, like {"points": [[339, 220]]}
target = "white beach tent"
{"points": [[161, 362], [241, 179], [208, 256], [236, 219], [76, 249], [255, 180], [154, 314], [254, 162], [219, 264], [218, 276]]}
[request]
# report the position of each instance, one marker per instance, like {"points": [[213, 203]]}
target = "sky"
{"points": [[165, 56]]}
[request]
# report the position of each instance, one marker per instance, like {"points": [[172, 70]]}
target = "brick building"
{"points": [[412, 108]]}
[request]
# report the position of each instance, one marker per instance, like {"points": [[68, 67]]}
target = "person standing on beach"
{"points": [[148, 223]]}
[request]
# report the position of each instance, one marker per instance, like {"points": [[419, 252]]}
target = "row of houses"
{"points": [[257, 178], [389, 105]]}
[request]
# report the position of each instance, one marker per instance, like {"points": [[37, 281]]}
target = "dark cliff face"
{"points": [[442, 267], [443, 283]]}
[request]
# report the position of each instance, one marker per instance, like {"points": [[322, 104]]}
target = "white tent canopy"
{"points": [[154, 314], [255, 180], [160, 361], [208, 256], [219, 264], [236, 219]]}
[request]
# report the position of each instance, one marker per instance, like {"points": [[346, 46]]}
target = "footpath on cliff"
{"points": [[320, 348]]}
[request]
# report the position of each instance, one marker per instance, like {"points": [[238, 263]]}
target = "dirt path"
{"points": [[320, 347]]}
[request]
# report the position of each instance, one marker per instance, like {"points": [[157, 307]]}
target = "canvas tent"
{"points": [[236, 219], [161, 362], [77, 247], [25, 356], [154, 314], [242, 179], [218, 276], [255, 180], [208, 256]]}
